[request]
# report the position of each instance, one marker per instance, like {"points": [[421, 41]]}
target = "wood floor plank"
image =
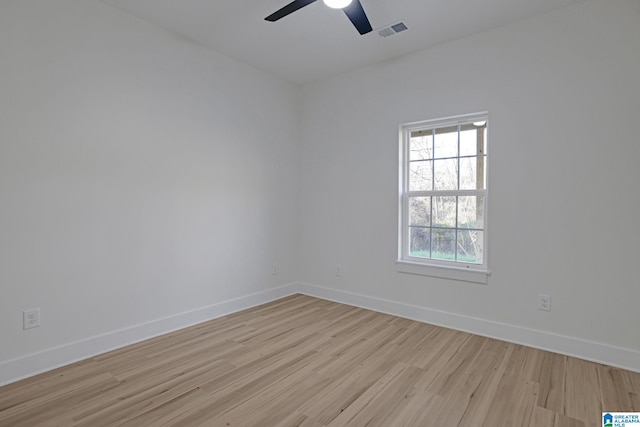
{"points": [[435, 360], [347, 387], [276, 402], [354, 352], [297, 420], [45, 385], [564, 421], [419, 411], [453, 373], [413, 336], [360, 412], [632, 382], [526, 363], [614, 398], [54, 405], [390, 401], [133, 399], [541, 417], [580, 376], [552, 382], [513, 404], [483, 378], [306, 362]]}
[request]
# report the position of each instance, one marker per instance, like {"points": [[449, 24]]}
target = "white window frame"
{"points": [[427, 266]]}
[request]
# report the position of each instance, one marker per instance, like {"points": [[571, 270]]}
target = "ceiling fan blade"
{"points": [[290, 8], [358, 18]]}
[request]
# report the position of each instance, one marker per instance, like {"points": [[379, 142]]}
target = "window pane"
{"points": [[446, 142], [472, 173], [444, 211], [420, 176], [419, 242], [421, 145], [420, 211], [472, 140], [471, 212], [443, 244], [446, 174], [470, 246]]}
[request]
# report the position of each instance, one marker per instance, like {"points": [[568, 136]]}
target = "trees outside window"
{"points": [[443, 183]]}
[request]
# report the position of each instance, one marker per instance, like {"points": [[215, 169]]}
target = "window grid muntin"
{"points": [[457, 228]]}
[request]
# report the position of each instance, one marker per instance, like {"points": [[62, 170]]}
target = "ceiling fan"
{"points": [[352, 8]]}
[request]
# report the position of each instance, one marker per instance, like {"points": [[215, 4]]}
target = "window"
{"points": [[443, 198]]}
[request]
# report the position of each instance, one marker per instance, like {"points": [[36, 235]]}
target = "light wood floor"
{"points": [[302, 361]]}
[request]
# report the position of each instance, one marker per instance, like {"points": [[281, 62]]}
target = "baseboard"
{"points": [[33, 364], [588, 350]]}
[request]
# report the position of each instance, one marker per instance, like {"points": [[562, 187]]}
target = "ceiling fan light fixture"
{"points": [[353, 10], [337, 4]]}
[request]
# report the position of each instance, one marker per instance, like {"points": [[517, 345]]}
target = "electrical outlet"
{"points": [[31, 318], [544, 302], [338, 270]]}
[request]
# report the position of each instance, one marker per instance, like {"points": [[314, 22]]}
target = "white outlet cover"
{"points": [[31, 318], [544, 302]]}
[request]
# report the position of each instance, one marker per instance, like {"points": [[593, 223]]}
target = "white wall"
{"points": [[137, 176], [146, 182], [563, 93]]}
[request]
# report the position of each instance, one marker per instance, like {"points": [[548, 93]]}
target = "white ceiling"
{"points": [[317, 42]]}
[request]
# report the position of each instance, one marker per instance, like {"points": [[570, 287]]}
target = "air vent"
{"points": [[392, 29]]}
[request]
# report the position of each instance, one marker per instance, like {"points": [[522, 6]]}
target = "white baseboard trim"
{"points": [[588, 350], [33, 364], [36, 363]]}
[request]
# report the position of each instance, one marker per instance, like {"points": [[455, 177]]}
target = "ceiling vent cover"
{"points": [[392, 29]]}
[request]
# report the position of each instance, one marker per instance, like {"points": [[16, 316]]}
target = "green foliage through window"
{"points": [[444, 191]]}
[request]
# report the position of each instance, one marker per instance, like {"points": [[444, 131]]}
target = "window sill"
{"points": [[445, 272]]}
